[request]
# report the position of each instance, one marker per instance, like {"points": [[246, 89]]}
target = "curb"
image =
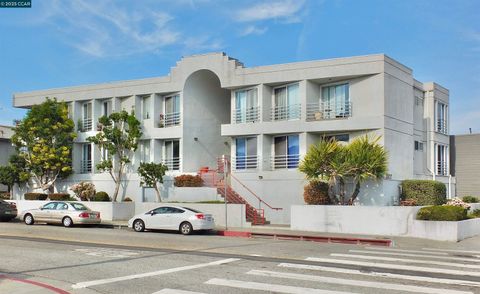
{"points": [[320, 239]]}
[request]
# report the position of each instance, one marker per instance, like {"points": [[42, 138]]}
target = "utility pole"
{"points": [[225, 173]]}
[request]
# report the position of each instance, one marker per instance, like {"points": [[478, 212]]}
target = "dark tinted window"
{"points": [[191, 209], [161, 210], [50, 205], [61, 206], [174, 210]]}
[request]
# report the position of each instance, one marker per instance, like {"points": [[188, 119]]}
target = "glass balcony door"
{"points": [[86, 162], [246, 153], [287, 103], [172, 111], [172, 154], [246, 106], [287, 152], [87, 117], [335, 101]]}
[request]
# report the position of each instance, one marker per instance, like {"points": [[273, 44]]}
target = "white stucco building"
{"points": [[265, 118]]}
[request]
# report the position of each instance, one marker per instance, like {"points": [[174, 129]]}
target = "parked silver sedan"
{"points": [[66, 213]]}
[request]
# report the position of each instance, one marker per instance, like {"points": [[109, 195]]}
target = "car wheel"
{"points": [[28, 219], [138, 225], [67, 222], [186, 228]]}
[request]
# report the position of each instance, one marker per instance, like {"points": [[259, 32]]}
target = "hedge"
{"points": [[35, 196], [316, 193], [101, 196], [188, 181], [424, 192], [470, 199], [442, 213], [59, 196]]}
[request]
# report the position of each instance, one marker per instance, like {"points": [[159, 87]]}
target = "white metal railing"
{"points": [[245, 162], [172, 163], [442, 168], [243, 115], [85, 166], [169, 119], [328, 110], [286, 112], [442, 126], [87, 124], [285, 161]]}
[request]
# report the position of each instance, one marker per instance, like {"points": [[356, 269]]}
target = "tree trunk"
{"points": [[115, 193], [157, 191], [341, 186], [355, 193]]}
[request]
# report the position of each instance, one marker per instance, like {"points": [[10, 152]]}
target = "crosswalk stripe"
{"points": [[359, 283], [380, 274], [395, 266], [416, 255], [472, 252], [269, 287], [382, 258], [378, 248], [176, 291]]}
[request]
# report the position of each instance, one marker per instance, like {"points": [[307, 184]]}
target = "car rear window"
{"points": [[79, 206], [191, 209]]}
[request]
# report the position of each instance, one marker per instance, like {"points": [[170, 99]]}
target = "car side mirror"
{"points": [[41, 207], [153, 213]]}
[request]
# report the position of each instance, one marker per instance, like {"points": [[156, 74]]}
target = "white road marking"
{"points": [[452, 251], [395, 266], [175, 291], [269, 287], [151, 274], [360, 283], [380, 274], [255, 255], [416, 255], [378, 248], [382, 258], [107, 252]]}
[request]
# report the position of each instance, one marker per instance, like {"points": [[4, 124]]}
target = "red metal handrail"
{"points": [[254, 194]]}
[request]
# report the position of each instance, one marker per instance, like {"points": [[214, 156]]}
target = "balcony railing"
{"points": [[442, 126], [243, 115], [86, 125], [286, 112], [328, 110], [85, 166], [172, 163], [285, 161], [169, 119], [442, 168], [245, 162]]}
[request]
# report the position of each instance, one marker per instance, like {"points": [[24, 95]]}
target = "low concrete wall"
{"points": [[236, 212], [445, 231]]}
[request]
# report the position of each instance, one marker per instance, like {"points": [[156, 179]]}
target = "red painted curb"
{"points": [[323, 239], [42, 285]]}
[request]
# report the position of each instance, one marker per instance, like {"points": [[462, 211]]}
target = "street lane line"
{"points": [[382, 258], [452, 251], [416, 255], [269, 287], [176, 291], [395, 266], [377, 248], [379, 274], [360, 283], [151, 274]]}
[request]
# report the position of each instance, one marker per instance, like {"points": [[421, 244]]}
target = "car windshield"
{"points": [[191, 209], [79, 206]]}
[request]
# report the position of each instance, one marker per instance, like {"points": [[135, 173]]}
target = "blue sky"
{"points": [[60, 43]]}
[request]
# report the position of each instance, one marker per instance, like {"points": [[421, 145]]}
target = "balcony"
{"points": [[442, 126], [85, 125], [169, 120], [242, 115], [172, 163], [442, 168], [245, 162], [86, 166], [328, 110], [285, 161], [286, 112]]}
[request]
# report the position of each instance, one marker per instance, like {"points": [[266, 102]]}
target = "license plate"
{"points": [[8, 212], [209, 219]]}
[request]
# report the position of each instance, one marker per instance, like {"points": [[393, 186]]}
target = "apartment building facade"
{"points": [[265, 118]]}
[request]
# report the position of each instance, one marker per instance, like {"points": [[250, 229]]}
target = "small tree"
{"points": [[44, 140], [7, 177], [118, 135], [151, 174]]}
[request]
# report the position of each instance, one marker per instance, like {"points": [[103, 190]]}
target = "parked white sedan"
{"points": [[184, 219]]}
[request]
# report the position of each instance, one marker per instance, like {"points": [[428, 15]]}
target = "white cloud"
{"points": [[285, 10], [253, 30]]}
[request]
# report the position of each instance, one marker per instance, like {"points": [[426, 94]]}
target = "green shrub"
{"points": [[188, 181], [424, 192], [316, 193], [101, 196], [59, 196], [470, 199], [474, 214], [35, 196], [127, 199], [442, 213], [4, 195]]}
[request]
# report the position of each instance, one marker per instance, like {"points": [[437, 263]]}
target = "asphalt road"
{"points": [[53, 259]]}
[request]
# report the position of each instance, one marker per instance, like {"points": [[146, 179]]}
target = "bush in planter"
{"points": [[424, 192], [35, 196], [4, 195], [475, 214], [442, 213], [188, 181], [101, 196], [470, 199], [458, 202], [84, 190], [59, 196], [316, 193], [127, 199]]}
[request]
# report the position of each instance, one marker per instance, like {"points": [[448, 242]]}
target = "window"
{"points": [[246, 153], [172, 154], [286, 103], [339, 138], [146, 107], [418, 101], [335, 102], [418, 146], [144, 150], [174, 210], [246, 106], [160, 210], [286, 152], [78, 206], [106, 108], [50, 205], [70, 110], [61, 206], [172, 111], [86, 117], [86, 162], [441, 117], [441, 159]]}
